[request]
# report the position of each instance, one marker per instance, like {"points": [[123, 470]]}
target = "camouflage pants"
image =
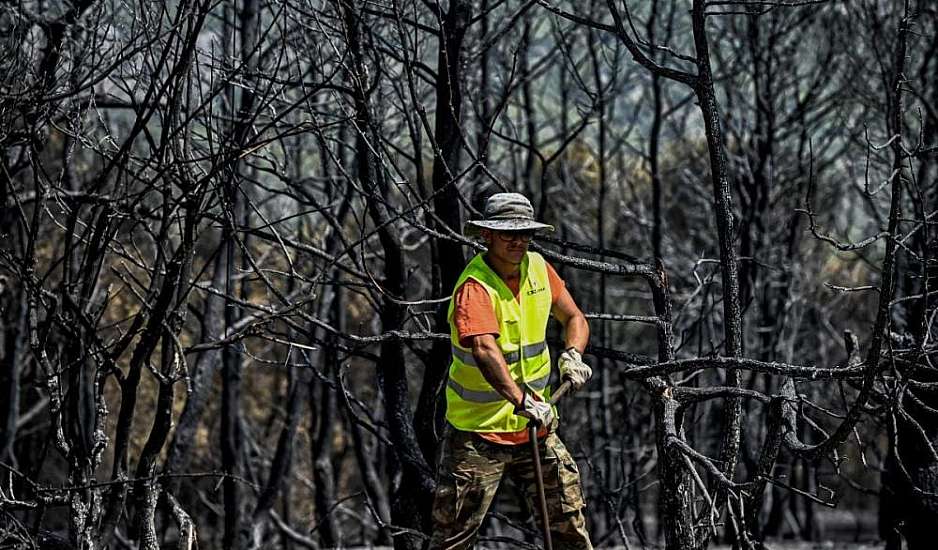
{"points": [[469, 476]]}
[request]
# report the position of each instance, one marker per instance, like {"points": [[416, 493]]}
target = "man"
{"points": [[498, 382]]}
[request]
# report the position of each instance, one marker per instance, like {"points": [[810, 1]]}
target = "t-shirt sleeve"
{"points": [[473, 312], [557, 285]]}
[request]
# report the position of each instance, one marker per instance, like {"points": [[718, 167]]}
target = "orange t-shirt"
{"points": [[474, 314]]}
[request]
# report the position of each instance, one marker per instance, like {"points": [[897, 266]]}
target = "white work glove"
{"points": [[532, 408], [573, 368]]}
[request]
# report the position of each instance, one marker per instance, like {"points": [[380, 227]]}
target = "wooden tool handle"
{"points": [[566, 385], [539, 482]]}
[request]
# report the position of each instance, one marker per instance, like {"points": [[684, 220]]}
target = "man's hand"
{"points": [[539, 412], [573, 368]]}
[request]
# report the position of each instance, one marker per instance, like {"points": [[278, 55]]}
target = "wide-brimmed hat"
{"points": [[507, 212]]}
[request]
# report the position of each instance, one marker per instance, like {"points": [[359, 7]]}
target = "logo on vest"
{"points": [[535, 289]]}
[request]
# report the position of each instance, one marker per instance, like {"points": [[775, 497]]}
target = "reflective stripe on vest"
{"points": [[493, 396], [511, 357]]}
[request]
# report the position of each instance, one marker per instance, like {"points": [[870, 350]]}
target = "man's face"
{"points": [[508, 246]]}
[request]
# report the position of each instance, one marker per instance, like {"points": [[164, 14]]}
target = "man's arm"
{"points": [[492, 364], [576, 330]]}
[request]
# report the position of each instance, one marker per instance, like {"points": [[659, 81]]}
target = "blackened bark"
{"points": [[887, 286], [450, 259], [200, 377], [485, 98], [764, 470], [323, 414], [757, 183], [920, 279], [323, 422], [147, 489], [409, 499], [910, 480], [365, 454], [168, 278], [162, 307], [13, 326], [654, 140], [675, 506], [527, 102], [654, 143], [324, 408], [81, 415], [172, 361], [676, 515], [282, 461], [723, 206], [674, 501], [605, 376], [232, 436]]}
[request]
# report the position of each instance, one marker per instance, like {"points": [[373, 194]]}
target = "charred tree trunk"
{"points": [[13, 326], [605, 409], [323, 399], [83, 412], [322, 408], [13, 323], [527, 102], [147, 489], [724, 218], [282, 462], [654, 144], [449, 256], [200, 377], [232, 429], [409, 497], [485, 92], [910, 481], [366, 457]]}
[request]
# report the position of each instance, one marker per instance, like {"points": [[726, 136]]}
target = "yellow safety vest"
{"points": [[472, 404]]}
